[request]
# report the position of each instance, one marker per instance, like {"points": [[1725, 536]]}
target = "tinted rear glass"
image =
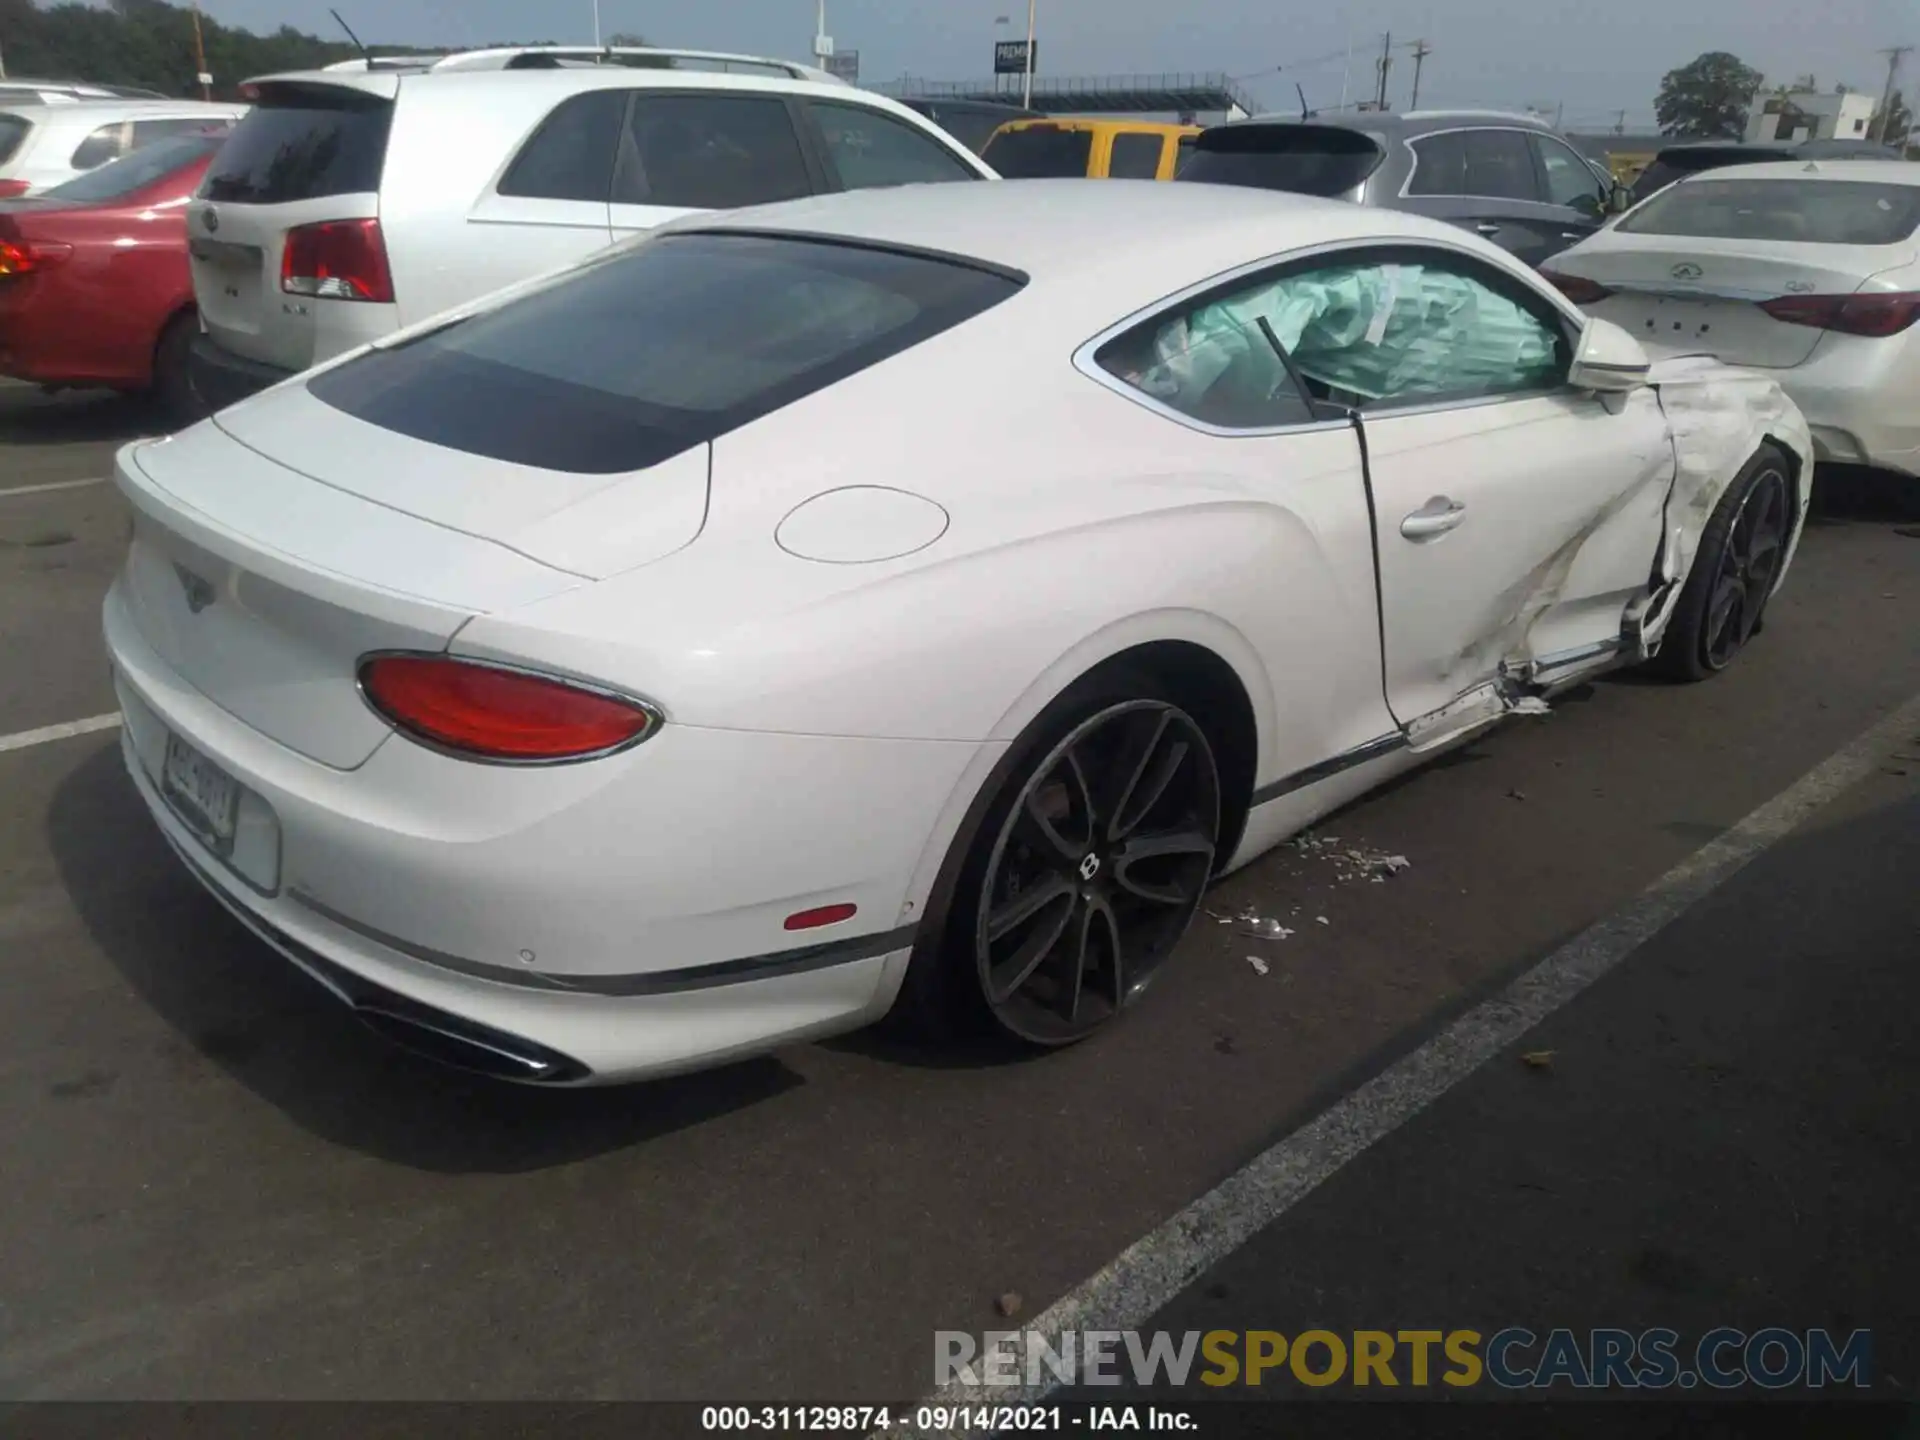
{"points": [[1135, 157], [136, 171], [646, 352], [1304, 159], [972, 126], [300, 144], [1040, 153], [1808, 212], [12, 131], [1669, 166]]}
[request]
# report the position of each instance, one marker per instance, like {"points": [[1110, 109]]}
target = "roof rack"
{"points": [[386, 62], [543, 57]]}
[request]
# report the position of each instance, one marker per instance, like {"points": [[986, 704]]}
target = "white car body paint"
{"points": [[830, 722], [1698, 295]]}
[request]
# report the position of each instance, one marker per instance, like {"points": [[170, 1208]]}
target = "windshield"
{"points": [[138, 170], [12, 131], [1304, 159], [1807, 212], [646, 352], [1040, 152]]}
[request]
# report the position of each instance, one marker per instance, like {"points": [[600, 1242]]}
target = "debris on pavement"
{"points": [[1008, 1305], [1537, 1059], [1260, 967], [1322, 920], [1516, 794], [1264, 929]]}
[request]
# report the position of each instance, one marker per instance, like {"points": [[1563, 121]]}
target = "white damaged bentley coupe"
{"points": [[900, 600]]}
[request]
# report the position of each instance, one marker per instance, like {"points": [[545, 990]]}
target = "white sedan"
{"points": [[1808, 271], [904, 600]]}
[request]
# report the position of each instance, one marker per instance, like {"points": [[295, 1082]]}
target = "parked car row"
{"points": [[46, 144]]}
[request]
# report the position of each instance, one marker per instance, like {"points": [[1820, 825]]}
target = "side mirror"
{"points": [[1608, 359], [1619, 200]]}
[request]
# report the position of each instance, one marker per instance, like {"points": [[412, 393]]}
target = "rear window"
{"points": [[1807, 212], [1304, 159], [1040, 152], [12, 131], [137, 171], [302, 143], [1136, 156], [646, 352]]}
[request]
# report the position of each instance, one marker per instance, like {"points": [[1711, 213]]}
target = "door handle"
{"points": [[1436, 517], [1487, 228]]}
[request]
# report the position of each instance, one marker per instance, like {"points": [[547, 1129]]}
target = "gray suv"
{"points": [[1507, 177]]}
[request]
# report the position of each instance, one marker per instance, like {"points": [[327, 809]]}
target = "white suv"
{"points": [[44, 145], [353, 201]]}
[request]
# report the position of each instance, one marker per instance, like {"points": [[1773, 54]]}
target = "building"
{"points": [[1842, 115]]}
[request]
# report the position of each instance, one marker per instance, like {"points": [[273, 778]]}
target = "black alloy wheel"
{"points": [[1096, 870], [1749, 565]]}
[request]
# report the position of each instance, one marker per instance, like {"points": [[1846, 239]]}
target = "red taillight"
{"points": [[12, 189], [23, 257], [1577, 288], [496, 714], [1867, 313], [337, 260]]}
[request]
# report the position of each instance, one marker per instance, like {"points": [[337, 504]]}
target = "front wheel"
{"points": [[1734, 572]]}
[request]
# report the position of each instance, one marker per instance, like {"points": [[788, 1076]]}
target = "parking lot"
{"points": [[220, 1187]]}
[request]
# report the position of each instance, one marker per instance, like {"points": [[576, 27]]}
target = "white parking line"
{"points": [[1152, 1271], [70, 728], [53, 485]]}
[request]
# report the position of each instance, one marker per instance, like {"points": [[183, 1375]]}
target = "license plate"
{"points": [[202, 794]]}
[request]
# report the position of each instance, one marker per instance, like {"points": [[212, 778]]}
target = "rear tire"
{"points": [[1724, 602], [1075, 875], [172, 393]]}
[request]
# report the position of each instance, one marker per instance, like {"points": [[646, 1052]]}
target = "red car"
{"points": [[94, 284]]}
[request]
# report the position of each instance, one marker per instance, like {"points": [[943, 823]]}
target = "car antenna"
{"points": [[1305, 114], [365, 53]]}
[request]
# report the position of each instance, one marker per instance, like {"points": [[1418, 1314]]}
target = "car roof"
{"points": [[1410, 122], [1099, 123], [1880, 172], [1075, 231], [391, 83], [101, 112]]}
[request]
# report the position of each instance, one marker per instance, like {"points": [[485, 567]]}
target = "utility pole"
{"points": [[1026, 83], [1386, 64], [1559, 114], [1619, 122], [596, 24], [200, 56], [1420, 52], [1893, 54]]}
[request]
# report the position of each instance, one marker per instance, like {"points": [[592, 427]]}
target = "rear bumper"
{"points": [[222, 378], [653, 893]]}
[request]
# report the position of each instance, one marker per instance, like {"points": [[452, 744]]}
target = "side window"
{"points": [[709, 152], [1135, 156], [1500, 165], [145, 132], [1216, 359], [1186, 153], [1439, 164], [867, 149], [106, 143], [1414, 326], [570, 156], [1570, 180]]}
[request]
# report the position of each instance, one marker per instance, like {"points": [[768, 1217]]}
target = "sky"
{"points": [[1592, 57]]}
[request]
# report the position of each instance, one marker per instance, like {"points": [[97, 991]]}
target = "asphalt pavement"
{"points": [[221, 1188]]}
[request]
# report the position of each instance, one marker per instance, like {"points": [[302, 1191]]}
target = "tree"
{"points": [[1708, 98]]}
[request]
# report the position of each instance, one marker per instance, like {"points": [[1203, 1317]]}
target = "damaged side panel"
{"points": [[1719, 415]]}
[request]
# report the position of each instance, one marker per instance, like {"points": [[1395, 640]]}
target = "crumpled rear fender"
{"points": [[1719, 416]]}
